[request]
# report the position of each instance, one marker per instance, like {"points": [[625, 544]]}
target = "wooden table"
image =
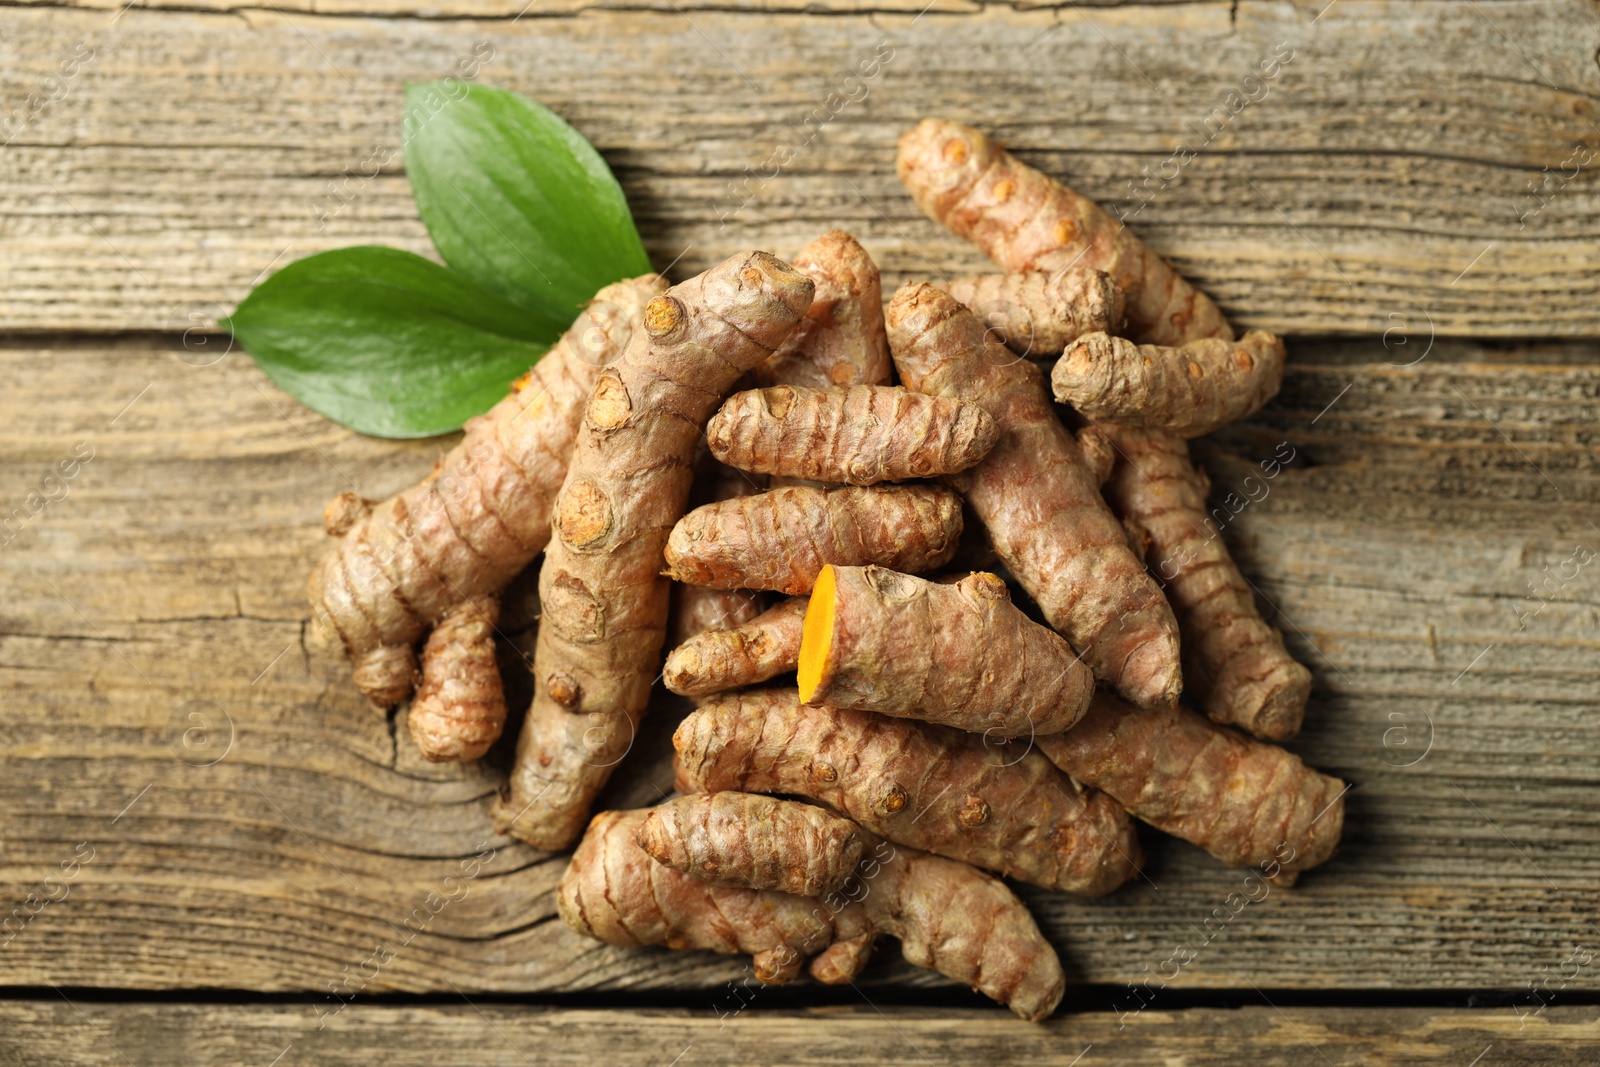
{"points": [[230, 832]]}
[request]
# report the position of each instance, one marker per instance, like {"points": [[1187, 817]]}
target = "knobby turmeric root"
{"points": [[1245, 802], [841, 339], [948, 916], [717, 660], [857, 436], [1027, 221], [1188, 391], [461, 706], [603, 600], [1038, 313], [614, 892], [401, 566], [960, 654], [749, 840], [781, 540], [1039, 501], [967, 925], [999, 805], [1234, 664]]}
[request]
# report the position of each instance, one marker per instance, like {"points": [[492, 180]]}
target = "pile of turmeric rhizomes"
{"points": [[939, 735]]}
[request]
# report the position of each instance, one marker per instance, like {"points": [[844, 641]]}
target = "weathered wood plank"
{"points": [[53, 1031], [1382, 176], [168, 582]]}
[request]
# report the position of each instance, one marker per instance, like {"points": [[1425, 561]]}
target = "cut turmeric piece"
{"points": [[958, 654]]}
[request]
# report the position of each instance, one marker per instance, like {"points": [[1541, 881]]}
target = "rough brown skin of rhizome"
{"points": [[603, 597], [956, 652]]}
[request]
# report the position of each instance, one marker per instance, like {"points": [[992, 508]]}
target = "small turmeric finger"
{"points": [[959, 654], [1038, 313], [460, 706], [857, 436], [846, 958], [1248, 803], [717, 660], [840, 340], [1235, 665], [745, 839], [996, 805], [1189, 391], [613, 891], [782, 539]]}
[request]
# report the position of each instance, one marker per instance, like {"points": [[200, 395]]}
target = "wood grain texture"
{"points": [[1381, 179], [282, 840], [89, 1033]]}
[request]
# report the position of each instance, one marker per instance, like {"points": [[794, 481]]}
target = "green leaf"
{"points": [[386, 342], [515, 199]]}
